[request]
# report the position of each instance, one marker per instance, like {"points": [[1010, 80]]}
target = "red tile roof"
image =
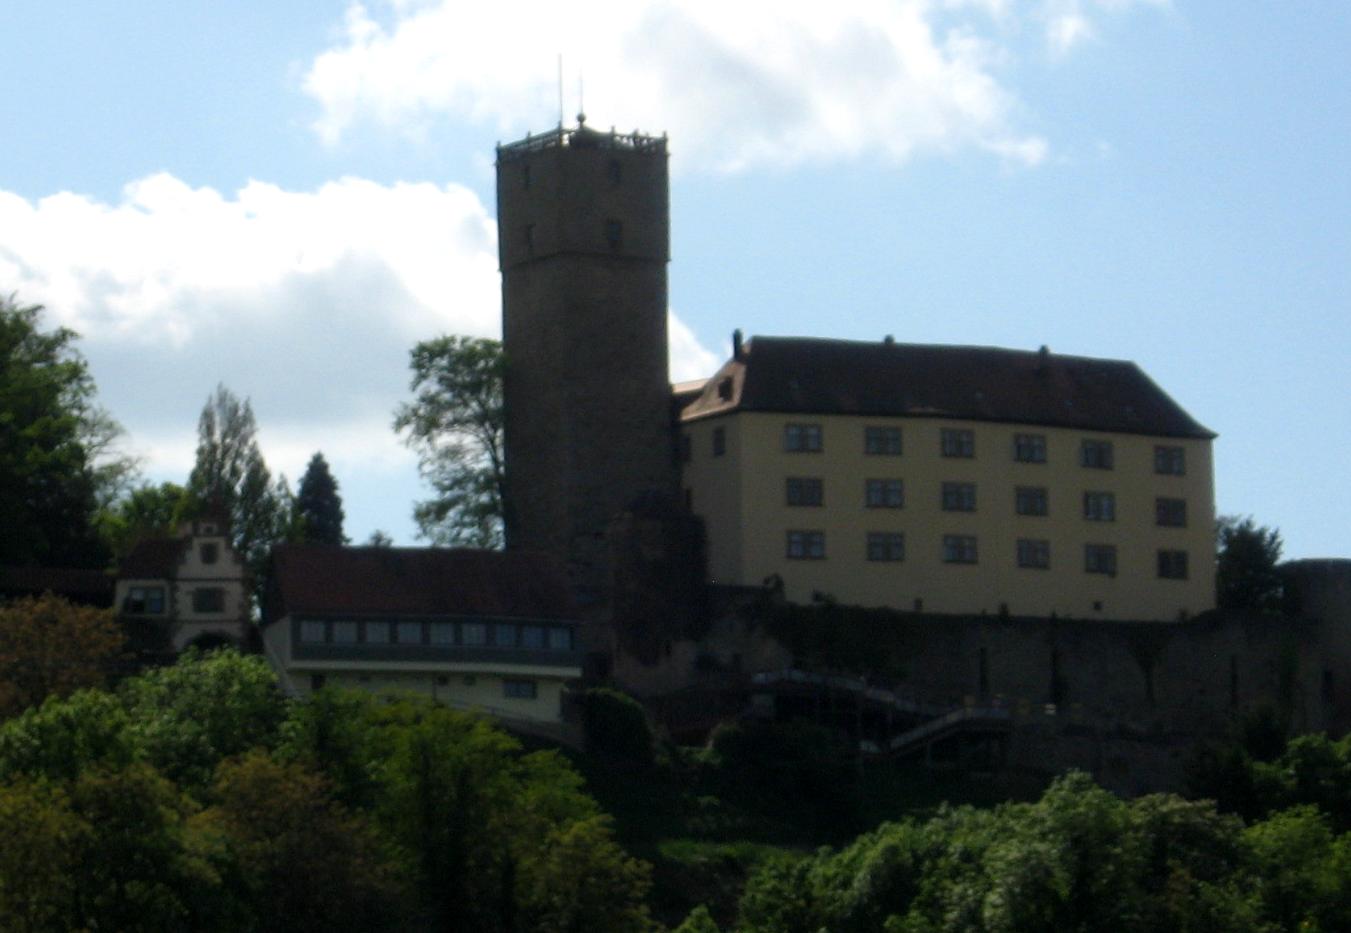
{"points": [[813, 376], [153, 559], [327, 579]]}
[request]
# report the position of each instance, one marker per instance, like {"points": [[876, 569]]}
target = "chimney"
{"points": [[736, 345]]}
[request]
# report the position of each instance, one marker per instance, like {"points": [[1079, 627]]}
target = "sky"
{"points": [[285, 197]]}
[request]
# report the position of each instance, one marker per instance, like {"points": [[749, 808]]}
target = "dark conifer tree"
{"points": [[318, 504]]}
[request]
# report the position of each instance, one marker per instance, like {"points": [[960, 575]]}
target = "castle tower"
{"points": [[583, 241]]}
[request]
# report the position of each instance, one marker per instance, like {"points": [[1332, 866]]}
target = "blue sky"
{"points": [[285, 197]]}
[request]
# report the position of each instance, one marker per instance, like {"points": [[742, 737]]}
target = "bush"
{"points": [[616, 725]]}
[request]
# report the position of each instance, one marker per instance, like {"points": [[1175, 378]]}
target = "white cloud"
{"points": [[734, 83], [305, 301]]}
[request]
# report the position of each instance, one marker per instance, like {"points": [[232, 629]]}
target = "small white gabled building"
{"points": [[490, 631], [194, 587]]}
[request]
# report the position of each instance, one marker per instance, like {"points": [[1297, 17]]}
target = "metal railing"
{"points": [[562, 137]]}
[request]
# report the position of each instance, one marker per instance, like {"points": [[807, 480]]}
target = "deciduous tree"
{"points": [[50, 647], [454, 424], [58, 461]]}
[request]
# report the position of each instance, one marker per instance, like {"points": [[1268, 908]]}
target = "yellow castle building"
{"points": [[951, 479]]}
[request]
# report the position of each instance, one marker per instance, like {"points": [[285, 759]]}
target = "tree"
{"points": [[1245, 568], [318, 505], [230, 476], [306, 863], [454, 424], [147, 511], [57, 457], [49, 647], [379, 538]]}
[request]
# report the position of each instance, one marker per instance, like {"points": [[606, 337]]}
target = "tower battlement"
{"points": [[580, 137]]}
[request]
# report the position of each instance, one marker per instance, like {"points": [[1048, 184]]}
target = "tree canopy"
{"points": [[454, 424], [1245, 569], [49, 647], [57, 462], [318, 505], [231, 477]]}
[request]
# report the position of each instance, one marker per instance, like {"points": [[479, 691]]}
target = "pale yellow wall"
{"points": [[469, 685], [741, 496]]}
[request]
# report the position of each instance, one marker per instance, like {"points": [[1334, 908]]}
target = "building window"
{"points": [[529, 232], [959, 497], [443, 633], [1170, 513], [614, 233], [144, 600], [208, 599], [410, 633], [312, 632], [1030, 500], [1096, 455], [1029, 448], [686, 448], [514, 689], [473, 634], [1173, 565], [884, 494], [377, 633], [504, 635], [882, 442], [525, 177], [210, 552], [725, 389], [615, 171], [958, 442], [1034, 553], [532, 636], [886, 545], [802, 438], [1100, 506], [719, 441], [344, 633], [804, 490], [806, 545], [1100, 558], [560, 639], [959, 549], [1170, 461]]}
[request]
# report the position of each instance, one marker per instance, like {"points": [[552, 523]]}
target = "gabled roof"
{"points": [[153, 559], [813, 376], [332, 580], [94, 587]]}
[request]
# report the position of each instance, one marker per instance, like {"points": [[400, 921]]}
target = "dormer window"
{"points": [[210, 552], [725, 388]]}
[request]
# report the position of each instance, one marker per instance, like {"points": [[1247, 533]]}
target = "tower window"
{"points": [[525, 177], [530, 239], [719, 441], [615, 171], [614, 232]]}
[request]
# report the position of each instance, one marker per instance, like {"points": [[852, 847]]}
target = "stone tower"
{"points": [[583, 241]]}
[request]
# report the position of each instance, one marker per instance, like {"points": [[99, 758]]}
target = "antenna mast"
{"points": [[560, 90]]}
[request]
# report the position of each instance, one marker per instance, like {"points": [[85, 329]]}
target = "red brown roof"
{"points": [[814, 376], [328, 579], [153, 559]]}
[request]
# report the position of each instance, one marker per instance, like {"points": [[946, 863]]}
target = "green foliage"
{"points": [[1245, 568], [699, 921], [1078, 859], [57, 463], [302, 860], [186, 718], [794, 772], [61, 738], [231, 478], [148, 511], [616, 725], [454, 424], [42, 841], [50, 647], [318, 505]]}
